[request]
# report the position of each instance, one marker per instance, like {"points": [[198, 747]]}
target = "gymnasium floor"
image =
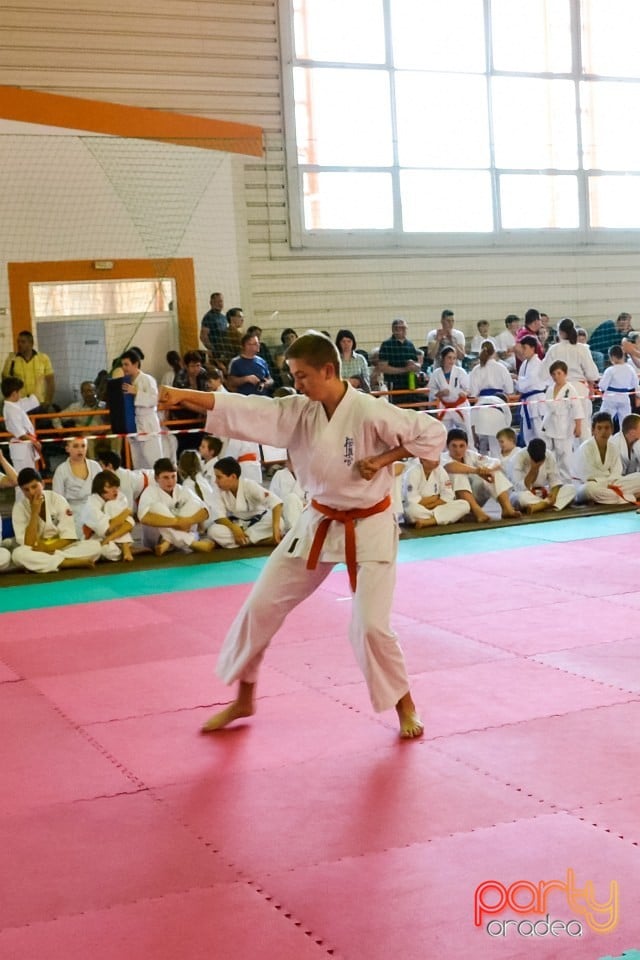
{"points": [[311, 831]]}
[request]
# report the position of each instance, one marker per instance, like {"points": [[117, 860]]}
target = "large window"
{"points": [[475, 117]]}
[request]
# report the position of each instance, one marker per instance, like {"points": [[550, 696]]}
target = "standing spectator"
{"points": [[213, 320], [33, 368], [449, 387], [228, 343], [531, 386], [531, 328], [248, 373], [618, 383], [446, 336], [398, 359], [562, 418], [23, 445], [353, 366], [609, 334], [284, 378], [582, 371], [265, 352], [146, 449]]}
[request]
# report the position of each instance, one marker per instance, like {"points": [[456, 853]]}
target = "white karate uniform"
{"points": [[58, 524], [561, 412], [506, 341], [75, 490], [601, 477], [146, 450], [581, 368], [482, 490], [617, 378], [449, 415], [630, 458], [251, 508], [17, 423], [208, 493], [294, 499], [95, 517], [532, 388], [133, 483], [209, 469], [247, 454], [546, 479], [5, 558], [438, 483], [181, 503], [325, 453]]}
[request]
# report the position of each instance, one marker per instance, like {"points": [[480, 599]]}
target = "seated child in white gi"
{"points": [[252, 514], [209, 450], [508, 443], [428, 497], [475, 478], [24, 446], [44, 528], [532, 387], [536, 481], [193, 478], [132, 482], [618, 383], [563, 417], [170, 514], [72, 479], [8, 478], [107, 518], [287, 488], [627, 443], [600, 467]]}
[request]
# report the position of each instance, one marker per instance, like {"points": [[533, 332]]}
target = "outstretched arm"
{"points": [[195, 399]]}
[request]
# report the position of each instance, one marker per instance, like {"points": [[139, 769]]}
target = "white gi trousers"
{"points": [[481, 489], [524, 498], [262, 529], [283, 584], [443, 514], [38, 562], [599, 491], [23, 454], [5, 558], [181, 539]]}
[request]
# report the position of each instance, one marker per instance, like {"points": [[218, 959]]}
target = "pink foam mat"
{"points": [[227, 920], [424, 894], [310, 830]]}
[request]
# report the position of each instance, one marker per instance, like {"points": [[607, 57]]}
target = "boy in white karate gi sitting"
{"points": [[251, 515], [536, 482], [428, 497], [107, 518], [171, 514]]}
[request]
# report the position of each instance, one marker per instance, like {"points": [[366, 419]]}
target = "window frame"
{"points": [[395, 241]]}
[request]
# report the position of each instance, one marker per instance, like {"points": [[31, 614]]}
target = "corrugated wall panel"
{"points": [[221, 58]]}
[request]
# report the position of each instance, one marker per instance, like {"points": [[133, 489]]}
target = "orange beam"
{"points": [[117, 119]]}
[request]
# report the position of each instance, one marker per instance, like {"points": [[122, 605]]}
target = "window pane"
{"points": [[437, 35], [432, 110], [348, 31], [99, 297], [343, 117], [539, 202], [610, 140], [446, 201], [531, 35], [614, 202], [348, 201], [610, 37], [534, 123]]}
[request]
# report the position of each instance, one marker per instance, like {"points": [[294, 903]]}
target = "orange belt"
{"points": [[347, 517], [247, 456], [620, 492], [451, 406]]}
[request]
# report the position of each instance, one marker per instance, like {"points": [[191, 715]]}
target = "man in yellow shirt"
{"points": [[33, 368]]}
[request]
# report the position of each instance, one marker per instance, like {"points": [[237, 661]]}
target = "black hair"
{"points": [[457, 433], [229, 466], [537, 449], [163, 465], [601, 417], [568, 327], [529, 341], [10, 385], [531, 316], [28, 475], [103, 480], [111, 459], [345, 333]]}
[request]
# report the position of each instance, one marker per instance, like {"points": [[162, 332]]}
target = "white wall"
{"points": [[220, 58]]}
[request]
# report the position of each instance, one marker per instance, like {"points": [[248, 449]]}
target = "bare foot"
{"points": [[127, 555], [510, 514], [481, 517], [203, 546], [427, 522], [161, 547], [410, 723], [242, 706]]}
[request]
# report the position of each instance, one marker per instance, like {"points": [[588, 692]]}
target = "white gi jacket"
{"points": [[325, 453]]}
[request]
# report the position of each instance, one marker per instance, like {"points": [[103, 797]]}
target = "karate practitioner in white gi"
{"points": [[23, 446], [44, 528], [600, 467], [107, 518], [170, 514], [536, 481], [248, 512], [146, 449], [342, 443], [532, 387], [563, 418], [286, 486], [476, 478], [427, 495], [618, 384]]}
